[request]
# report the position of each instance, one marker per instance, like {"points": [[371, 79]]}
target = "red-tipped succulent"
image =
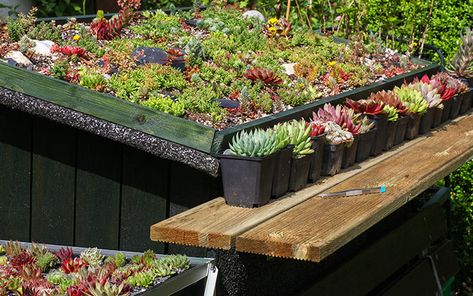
{"points": [[104, 29], [64, 254], [72, 265], [69, 50], [266, 76], [389, 98], [368, 107], [338, 114], [317, 129]]}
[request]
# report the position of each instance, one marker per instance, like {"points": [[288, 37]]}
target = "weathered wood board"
{"points": [[303, 226]]}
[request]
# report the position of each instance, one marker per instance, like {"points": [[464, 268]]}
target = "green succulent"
{"points": [[61, 279], [165, 104], [141, 279], [2, 250], [91, 79], [105, 290], [46, 261], [119, 259], [175, 263], [391, 112], [256, 143], [282, 135], [162, 270], [299, 134], [412, 98], [92, 256], [3, 260]]}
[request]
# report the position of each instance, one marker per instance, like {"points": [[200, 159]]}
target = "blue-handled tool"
{"points": [[353, 192]]}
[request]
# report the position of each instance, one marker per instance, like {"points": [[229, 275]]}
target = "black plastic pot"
{"points": [[318, 144], [390, 135], [437, 117], [365, 144], [300, 172], [412, 130], [333, 155], [381, 122], [349, 156], [426, 121], [282, 172], [401, 129], [447, 107], [247, 181], [456, 105], [467, 102]]}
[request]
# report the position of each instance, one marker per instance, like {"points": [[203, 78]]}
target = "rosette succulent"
{"points": [[92, 256], [368, 107], [335, 135], [256, 143], [412, 98], [338, 114], [429, 93], [391, 112], [389, 98], [299, 134], [266, 76]]}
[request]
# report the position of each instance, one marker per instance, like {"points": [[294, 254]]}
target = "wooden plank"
{"points": [[98, 189], [53, 183], [216, 225], [144, 198], [15, 175], [417, 234], [107, 107], [314, 229]]}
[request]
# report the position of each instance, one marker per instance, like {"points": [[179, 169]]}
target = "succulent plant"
{"points": [[329, 113], [391, 112], [106, 289], [390, 98], [317, 129], [141, 279], [335, 135], [92, 256], [412, 98], [13, 248], [282, 135], [2, 250], [64, 254], [446, 85], [73, 265], [429, 93], [266, 76], [256, 143], [299, 134], [46, 261], [176, 263], [69, 50], [118, 259], [462, 63], [278, 27], [104, 29], [3, 260], [368, 107]]}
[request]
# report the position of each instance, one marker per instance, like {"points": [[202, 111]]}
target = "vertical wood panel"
{"points": [[53, 183], [144, 198], [189, 188], [15, 175], [97, 192]]}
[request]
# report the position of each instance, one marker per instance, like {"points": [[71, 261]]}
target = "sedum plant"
{"points": [[462, 63], [256, 143], [412, 98], [299, 134]]}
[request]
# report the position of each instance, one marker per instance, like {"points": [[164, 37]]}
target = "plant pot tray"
{"points": [[153, 131], [303, 226]]}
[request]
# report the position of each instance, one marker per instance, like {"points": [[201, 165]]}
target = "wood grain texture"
{"points": [[318, 227], [303, 227], [106, 107], [15, 175]]}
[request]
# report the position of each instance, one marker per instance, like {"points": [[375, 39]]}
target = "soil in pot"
{"points": [[318, 144], [300, 172], [456, 105], [467, 101], [282, 172], [401, 129], [247, 181], [438, 113], [390, 135], [349, 156], [412, 129], [447, 107], [381, 122], [426, 121], [333, 155], [365, 144]]}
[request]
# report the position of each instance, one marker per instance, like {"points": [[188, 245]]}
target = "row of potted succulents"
{"points": [[261, 164], [40, 271]]}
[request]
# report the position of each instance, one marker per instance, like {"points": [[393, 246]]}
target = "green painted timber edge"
{"points": [[223, 137], [107, 107]]}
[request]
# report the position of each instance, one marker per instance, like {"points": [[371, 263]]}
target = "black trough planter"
{"points": [[247, 181], [381, 122], [426, 121], [401, 129], [413, 125], [349, 156], [390, 135], [366, 142], [438, 114], [447, 108], [282, 172], [456, 105], [300, 172], [315, 171], [467, 102], [333, 155]]}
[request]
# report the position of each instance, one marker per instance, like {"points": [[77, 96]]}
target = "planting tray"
{"points": [[155, 132], [200, 268]]}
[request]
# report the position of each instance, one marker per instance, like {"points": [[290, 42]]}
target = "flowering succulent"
{"points": [[266, 76], [412, 98], [256, 143], [335, 135], [462, 63], [277, 27], [299, 134], [390, 98]]}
